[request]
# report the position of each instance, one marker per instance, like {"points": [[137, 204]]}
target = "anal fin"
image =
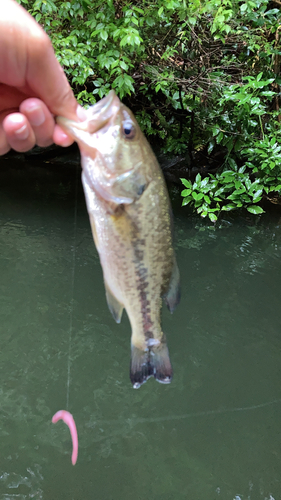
{"points": [[173, 295], [114, 305]]}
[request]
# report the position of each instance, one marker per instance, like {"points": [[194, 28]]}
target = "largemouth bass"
{"points": [[130, 217]]}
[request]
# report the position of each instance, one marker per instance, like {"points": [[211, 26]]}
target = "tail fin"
{"points": [[141, 368], [155, 362], [160, 360]]}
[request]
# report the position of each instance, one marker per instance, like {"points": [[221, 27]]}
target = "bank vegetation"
{"points": [[202, 77]]}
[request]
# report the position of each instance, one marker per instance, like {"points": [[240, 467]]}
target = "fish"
{"points": [[131, 222]]}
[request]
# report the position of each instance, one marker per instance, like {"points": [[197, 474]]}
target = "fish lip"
{"points": [[98, 115]]}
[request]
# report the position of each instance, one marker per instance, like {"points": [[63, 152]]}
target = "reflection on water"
{"points": [[29, 483], [213, 434]]}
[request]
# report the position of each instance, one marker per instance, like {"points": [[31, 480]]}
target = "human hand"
{"points": [[33, 86]]}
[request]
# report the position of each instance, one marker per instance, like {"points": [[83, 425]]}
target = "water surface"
{"points": [[213, 434]]}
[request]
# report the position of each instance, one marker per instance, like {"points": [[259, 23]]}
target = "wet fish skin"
{"points": [[130, 217]]}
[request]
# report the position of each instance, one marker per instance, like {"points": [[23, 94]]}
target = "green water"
{"points": [[213, 434]]}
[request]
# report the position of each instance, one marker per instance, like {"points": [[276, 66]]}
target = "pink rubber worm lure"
{"points": [[69, 421]]}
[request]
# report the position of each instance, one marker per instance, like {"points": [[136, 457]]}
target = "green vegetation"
{"points": [[199, 75]]}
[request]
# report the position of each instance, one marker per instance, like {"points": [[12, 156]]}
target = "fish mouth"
{"points": [[97, 116], [84, 132]]}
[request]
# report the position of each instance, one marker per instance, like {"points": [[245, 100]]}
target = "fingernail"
{"points": [[81, 113], [22, 133], [36, 115]]}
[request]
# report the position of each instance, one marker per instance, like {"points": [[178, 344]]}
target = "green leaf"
{"points": [[186, 183], [204, 182], [219, 137], [104, 35], [267, 93], [239, 191], [185, 201], [210, 147], [254, 209], [149, 21], [219, 191], [212, 217], [123, 65], [228, 207], [257, 194], [185, 192], [215, 130], [138, 9]]}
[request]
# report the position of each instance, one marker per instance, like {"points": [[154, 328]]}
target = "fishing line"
{"points": [[218, 411], [143, 420], [72, 288]]}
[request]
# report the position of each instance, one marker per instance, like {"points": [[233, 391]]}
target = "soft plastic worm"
{"points": [[69, 421]]}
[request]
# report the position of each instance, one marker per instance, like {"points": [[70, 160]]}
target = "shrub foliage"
{"points": [[199, 74]]}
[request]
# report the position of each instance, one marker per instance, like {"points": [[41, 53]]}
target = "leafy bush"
{"points": [[199, 75], [237, 125]]}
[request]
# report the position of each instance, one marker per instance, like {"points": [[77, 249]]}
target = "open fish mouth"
{"points": [[97, 116], [106, 184]]}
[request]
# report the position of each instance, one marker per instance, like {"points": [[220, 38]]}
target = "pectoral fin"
{"points": [[172, 296], [114, 305], [94, 231]]}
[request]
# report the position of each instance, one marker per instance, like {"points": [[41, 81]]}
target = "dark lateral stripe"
{"points": [[142, 282]]}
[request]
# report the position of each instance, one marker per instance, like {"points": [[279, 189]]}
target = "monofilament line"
{"points": [[131, 421], [72, 289]]}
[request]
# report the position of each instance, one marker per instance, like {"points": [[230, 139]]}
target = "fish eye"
{"points": [[129, 130]]}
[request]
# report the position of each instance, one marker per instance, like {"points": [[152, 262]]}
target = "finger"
{"points": [[19, 133], [61, 138], [4, 146], [40, 119]]}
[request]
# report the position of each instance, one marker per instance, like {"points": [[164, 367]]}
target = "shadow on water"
{"points": [[213, 434]]}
